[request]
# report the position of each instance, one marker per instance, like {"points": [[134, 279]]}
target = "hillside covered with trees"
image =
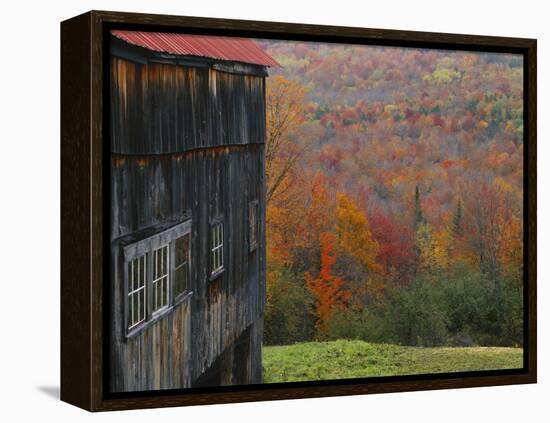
{"points": [[394, 195]]}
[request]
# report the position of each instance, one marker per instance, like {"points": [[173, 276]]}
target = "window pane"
{"points": [[180, 284], [161, 293], [216, 253], [142, 271], [135, 309], [156, 296], [159, 263], [181, 265], [142, 304], [214, 260], [135, 276], [160, 278], [129, 281], [129, 316], [155, 258], [164, 299], [182, 250]]}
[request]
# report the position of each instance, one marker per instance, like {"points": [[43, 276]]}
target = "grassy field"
{"points": [[348, 359]]}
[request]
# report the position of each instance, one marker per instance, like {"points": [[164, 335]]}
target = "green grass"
{"points": [[349, 359]]}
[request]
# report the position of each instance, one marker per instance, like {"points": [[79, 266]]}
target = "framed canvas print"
{"points": [[257, 210]]}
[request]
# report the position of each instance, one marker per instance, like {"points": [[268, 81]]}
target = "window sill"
{"points": [[182, 298], [216, 274], [157, 314], [135, 331]]}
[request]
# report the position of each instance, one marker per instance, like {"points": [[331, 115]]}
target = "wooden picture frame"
{"points": [[85, 205]]}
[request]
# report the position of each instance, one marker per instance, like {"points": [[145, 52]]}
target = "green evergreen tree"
{"points": [[418, 215], [457, 220]]}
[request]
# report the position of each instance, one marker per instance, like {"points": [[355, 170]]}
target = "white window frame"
{"points": [[216, 256], [159, 280], [149, 247], [142, 308]]}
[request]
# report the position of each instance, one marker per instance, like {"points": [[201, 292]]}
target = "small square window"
{"points": [[216, 249]]}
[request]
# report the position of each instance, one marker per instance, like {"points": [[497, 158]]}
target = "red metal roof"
{"points": [[221, 48]]}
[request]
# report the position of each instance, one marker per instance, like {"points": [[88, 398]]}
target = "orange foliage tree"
{"points": [[296, 217], [285, 109], [327, 289]]}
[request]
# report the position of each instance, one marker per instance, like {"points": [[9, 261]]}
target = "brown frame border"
{"points": [[82, 207]]}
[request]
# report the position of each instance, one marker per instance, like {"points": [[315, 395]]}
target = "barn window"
{"points": [[253, 209], [216, 249], [182, 259], [157, 277], [137, 271], [161, 289]]}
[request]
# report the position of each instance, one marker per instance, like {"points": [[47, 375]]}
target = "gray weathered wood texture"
{"points": [[187, 142]]}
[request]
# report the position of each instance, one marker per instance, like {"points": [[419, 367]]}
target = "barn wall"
{"points": [[177, 154], [167, 108]]}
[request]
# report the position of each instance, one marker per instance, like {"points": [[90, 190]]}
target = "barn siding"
{"points": [[187, 142], [160, 108]]}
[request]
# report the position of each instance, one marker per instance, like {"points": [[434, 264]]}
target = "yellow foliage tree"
{"points": [[511, 254], [435, 250], [354, 235], [443, 239]]}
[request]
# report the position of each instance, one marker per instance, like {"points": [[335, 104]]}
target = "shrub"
{"points": [[490, 312], [346, 324], [287, 316], [417, 315], [461, 308], [410, 316]]}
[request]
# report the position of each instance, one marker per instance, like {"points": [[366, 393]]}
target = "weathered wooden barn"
{"points": [[187, 134]]}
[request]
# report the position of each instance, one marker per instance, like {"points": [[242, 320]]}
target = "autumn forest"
{"points": [[394, 196]]}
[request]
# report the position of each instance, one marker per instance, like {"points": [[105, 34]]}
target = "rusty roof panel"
{"points": [[221, 48]]}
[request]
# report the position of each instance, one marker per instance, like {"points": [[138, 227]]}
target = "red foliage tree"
{"points": [[396, 245], [326, 288]]}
